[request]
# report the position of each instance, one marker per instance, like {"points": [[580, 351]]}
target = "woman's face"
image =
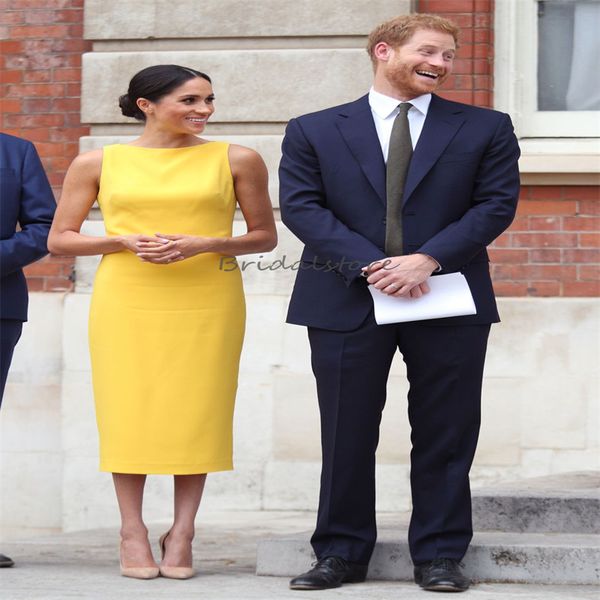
{"points": [[184, 110]]}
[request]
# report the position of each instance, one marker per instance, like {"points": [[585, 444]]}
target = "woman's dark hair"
{"points": [[153, 83]]}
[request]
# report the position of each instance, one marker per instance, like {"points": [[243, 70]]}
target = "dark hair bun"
{"points": [[130, 109]]}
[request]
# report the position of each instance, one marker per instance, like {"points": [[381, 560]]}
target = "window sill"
{"points": [[547, 161]]}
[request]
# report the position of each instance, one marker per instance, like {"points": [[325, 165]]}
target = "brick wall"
{"points": [[40, 81], [552, 248]]}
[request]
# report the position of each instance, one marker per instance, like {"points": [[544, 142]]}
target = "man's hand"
{"points": [[402, 276]]}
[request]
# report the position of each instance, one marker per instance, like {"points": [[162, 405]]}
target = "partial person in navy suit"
{"points": [[26, 210], [460, 193]]}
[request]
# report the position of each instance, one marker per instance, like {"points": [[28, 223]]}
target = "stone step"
{"points": [[565, 503], [544, 558]]}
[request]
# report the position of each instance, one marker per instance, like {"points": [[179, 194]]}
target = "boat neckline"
{"points": [[171, 148]]}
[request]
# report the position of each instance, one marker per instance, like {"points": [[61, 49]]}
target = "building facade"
{"points": [[64, 65]]}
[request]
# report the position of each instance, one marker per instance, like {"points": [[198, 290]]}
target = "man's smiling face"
{"points": [[419, 66]]}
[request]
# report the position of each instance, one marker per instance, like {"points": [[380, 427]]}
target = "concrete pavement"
{"points": [[84, 565]]}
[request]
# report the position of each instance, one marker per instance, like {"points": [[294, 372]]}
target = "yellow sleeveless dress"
{"points": [[165, 340]]}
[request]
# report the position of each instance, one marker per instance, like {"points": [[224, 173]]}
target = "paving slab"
{"points": [[84, 565]]}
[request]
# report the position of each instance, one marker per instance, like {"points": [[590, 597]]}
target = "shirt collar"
{"points": [[383, 106]]}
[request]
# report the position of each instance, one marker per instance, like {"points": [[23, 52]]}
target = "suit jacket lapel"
{"points": [[443, 121], [355, 123]]}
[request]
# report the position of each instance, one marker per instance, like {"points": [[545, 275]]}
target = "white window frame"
{"points": [[516, 42]]}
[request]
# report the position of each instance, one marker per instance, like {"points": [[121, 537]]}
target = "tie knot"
{"points": [[404, 107]]}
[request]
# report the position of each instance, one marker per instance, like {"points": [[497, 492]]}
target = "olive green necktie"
{"points": [[399, 155]]}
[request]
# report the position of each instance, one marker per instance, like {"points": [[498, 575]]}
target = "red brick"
{"points": [[582, 223], [446, 6], [16, 62], [589, 207], [582, 255], [483, 51], [464, 21], [581, 288], [510, 288], [481, 66], [481, 98], [481, 36], [39, 31], [544, 240], [544, 289], [72, 89], [588, 272], [483, 6], [66, 104], [37, 105], [503, 241], [11, 76], [11, 17], [68, 16], [40, 17], [544, 255], [543, 192], [41, 120], [10, 47], [76, 31], [518, 272], [32, 89], [41, 76], [545, 223], [508, 255], [547, 207], [457, 96], [10, 106], [462, 82], [482, 21], [482, 82], [72, 74], [42, 268], [582, 192], [35, 284], [589, 240], [463, 66]]}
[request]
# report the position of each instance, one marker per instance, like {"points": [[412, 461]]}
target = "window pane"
{"points": [[568, 51]]}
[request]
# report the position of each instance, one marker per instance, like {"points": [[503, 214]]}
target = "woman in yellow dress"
{"points": [[166, 318]]}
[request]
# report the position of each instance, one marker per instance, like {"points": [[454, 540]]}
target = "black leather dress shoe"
{"points": [[329, 572], [5, 561], [441, 575]]}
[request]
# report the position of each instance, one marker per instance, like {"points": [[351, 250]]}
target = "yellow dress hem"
{"points": [[145, 469]]}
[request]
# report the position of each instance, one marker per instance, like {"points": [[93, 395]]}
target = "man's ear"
{"points": [[382, 51]]}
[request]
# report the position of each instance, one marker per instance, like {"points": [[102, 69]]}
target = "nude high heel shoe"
{"points": [[138, 572], [172, 572]]}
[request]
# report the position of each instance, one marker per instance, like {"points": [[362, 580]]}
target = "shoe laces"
{"points": [[446, 563], [329, 562]]}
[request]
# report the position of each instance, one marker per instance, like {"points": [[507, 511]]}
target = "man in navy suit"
{"points": [[26, 200], [459, 194]]}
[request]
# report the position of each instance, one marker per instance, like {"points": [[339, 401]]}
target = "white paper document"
{"points": [[450, 296]]}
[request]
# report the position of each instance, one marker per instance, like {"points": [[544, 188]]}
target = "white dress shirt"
{"points": [[384, 110]]}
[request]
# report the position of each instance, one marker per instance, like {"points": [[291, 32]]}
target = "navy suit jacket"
{"points": [[26, 199], [461, 192]]}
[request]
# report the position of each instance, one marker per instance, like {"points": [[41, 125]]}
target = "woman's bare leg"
{"points": [[135, 547], [178, 545]]}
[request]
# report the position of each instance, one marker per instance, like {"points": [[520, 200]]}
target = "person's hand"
{"points": [[402, 276], [151, 248], [172, 248]]}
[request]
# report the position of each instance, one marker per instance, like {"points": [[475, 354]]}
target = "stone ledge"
{"points": [[568, 502], [549, 558]]}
